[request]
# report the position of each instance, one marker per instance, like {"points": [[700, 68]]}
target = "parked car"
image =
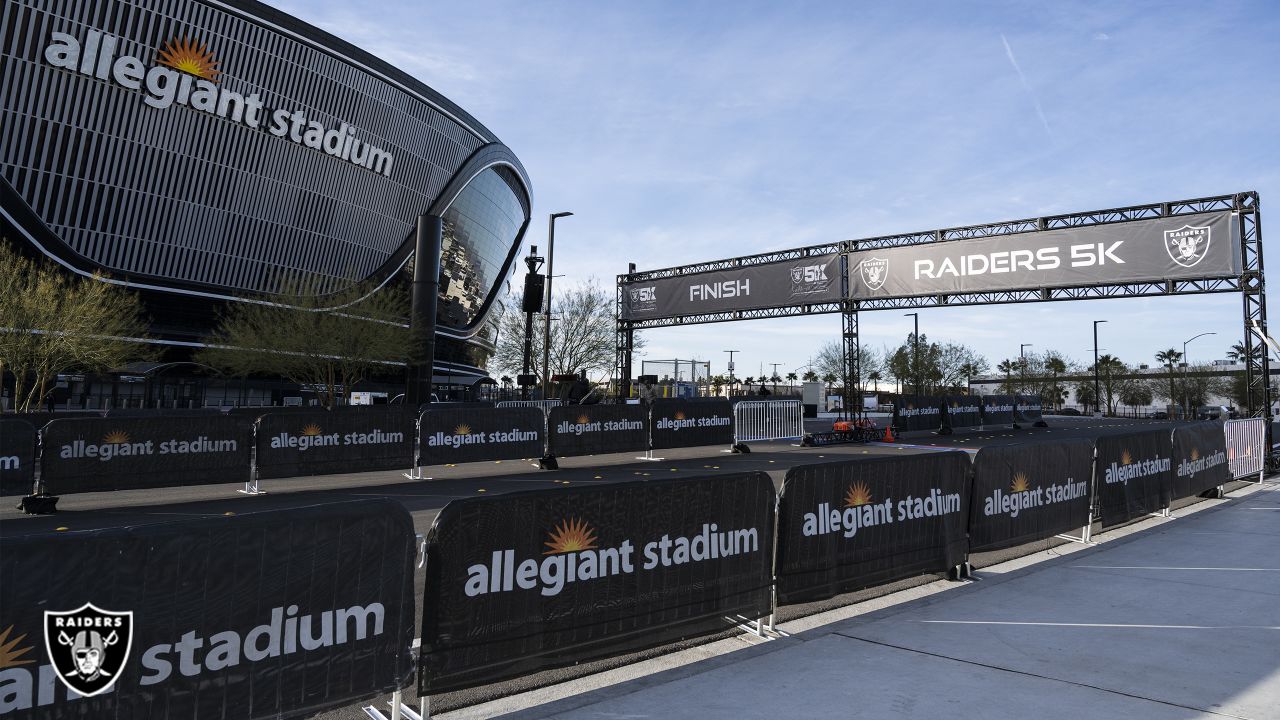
{"points": [[1069, 411], [1158, 415], [1214, 412]]}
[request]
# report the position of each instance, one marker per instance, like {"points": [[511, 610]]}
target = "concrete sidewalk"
{"points": [[1169, 619]]}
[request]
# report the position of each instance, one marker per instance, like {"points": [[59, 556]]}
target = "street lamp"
{"points": [[1186, 393], [915, 347], [731, 380], [1022, 360], [1097, 396], [546, 317]]}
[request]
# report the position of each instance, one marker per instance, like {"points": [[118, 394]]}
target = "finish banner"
{"points": [[1199, 458], [997, 409], [963, 411], [918, 412], [1028, 492], [1134, 474], [321, 443], [690, 423], [848, 525], [277, 614], [781, 284], [1204, 245], [522, 582], [17, 457], [93, 454], [597, 429], [1027, 409], [477, 434]]}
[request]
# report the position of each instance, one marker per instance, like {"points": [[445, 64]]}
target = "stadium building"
{"points": [[205, 151]]}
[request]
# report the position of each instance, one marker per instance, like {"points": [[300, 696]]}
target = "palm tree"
{"points": [[1007, 367], [968, 370], [1108, 367], [874, 377], [810, 376], [1168, 358], [1056, 366], [791, 381]]}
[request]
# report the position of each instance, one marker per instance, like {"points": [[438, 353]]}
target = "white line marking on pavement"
{"points": [[1105, 625], [1157, 567]]}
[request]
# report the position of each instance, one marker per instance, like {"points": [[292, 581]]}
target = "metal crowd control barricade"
{"points": [[1246, 447], [546, 405], [755, 420]]}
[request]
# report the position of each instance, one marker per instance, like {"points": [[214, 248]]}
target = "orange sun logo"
{"points": [[189, 56], [1126, 458], [1195, 454], [117, 437], [571, 535], [859, 494], [10, 653], [463, 429], [312, 430], [583, 419], [679, 415], [1020, 483]]}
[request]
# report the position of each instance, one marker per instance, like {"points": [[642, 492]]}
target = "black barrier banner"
{"points": [[475, 434], [1029, 491], [597, 429], [1027, 409], [690, 423], [963, 411], [997, 409], [918, 412], [1134, 474], [1200, 458], [93, 454], [319, 443], [278, 614], [848, 525], [17, 457], [522, 582], [814, 279]]}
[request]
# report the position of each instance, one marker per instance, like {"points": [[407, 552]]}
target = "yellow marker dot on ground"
{"points": [[597, 477], [450, 465], [62, 528], [715, 467], [497, 462], [566, 482], [772, 461], [480, 490], [228, 514]]}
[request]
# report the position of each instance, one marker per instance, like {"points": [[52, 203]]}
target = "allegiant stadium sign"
{"points": [[186, 73]]}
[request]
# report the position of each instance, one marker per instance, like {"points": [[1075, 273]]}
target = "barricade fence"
{"points": [[1246, 441], [756, 420]]}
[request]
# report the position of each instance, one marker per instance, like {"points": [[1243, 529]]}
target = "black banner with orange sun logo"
{"points": [[462, 435], [919, 412], [1029, 491], [597, 429], [1199, 458], [1134, 474], [92, 454], [848, 525], [523, 582], [320, 442], [17, 457], [691, 423]]}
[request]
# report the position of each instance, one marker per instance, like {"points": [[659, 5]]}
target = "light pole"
{"points": [[915, 347], [546, 312], [1186, 393], [731, 380], [1022, 363], [1097, 397], [774, 375]]}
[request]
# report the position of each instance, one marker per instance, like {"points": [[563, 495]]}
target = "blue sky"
{"points": [[679, 132]]}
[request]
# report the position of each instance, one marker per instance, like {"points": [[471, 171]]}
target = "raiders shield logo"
{"points": [[88, 646], [874, 271], [1187, 245], [797, 275]]}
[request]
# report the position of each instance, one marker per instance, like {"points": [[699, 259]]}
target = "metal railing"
{"points": [[767, 420], [1246, 447], [544, 404]]}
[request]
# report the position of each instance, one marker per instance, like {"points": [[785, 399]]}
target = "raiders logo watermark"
{"points": [[874, 270], [1187, 245], [88, 646], [809, 279]]}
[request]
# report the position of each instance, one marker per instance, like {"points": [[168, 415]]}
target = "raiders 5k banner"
{"points": [[1029, 491], [478, 434], [92, 454], [794, 282], [963, 411], [848, 525], [319, 442], [277, 614], [918, 412], [522, 582], [1204, 245], [997, 409], [597, 429], [690, 423], [17, 457], [1199, 458], [1134, 474]]}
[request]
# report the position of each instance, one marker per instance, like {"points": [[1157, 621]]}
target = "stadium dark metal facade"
{"points": [[205, 151]]}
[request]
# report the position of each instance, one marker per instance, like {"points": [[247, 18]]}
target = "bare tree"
{"points": [[52, 322]]}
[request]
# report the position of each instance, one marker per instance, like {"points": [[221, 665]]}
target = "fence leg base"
{"points": [[649, 457], [548, 462], [415, 474], [741, 448], [251, 488]]}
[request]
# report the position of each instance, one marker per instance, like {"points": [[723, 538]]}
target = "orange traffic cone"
{"points": [[888, 434]]}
